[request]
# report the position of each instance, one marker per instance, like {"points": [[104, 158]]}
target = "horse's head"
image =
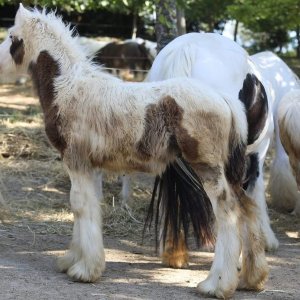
{"points": [[35, 31], [15, 49]]}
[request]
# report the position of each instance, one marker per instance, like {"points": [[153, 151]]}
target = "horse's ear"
{"points": [[22, 12]]}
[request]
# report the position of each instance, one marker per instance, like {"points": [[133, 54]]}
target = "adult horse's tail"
{"points": [[289, 128], [179, 200]]}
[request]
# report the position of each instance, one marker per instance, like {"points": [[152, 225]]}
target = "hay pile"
{"points": [[37, 186]]}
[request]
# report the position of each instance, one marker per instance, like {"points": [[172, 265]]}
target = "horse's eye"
{"points": [[10, 36]]}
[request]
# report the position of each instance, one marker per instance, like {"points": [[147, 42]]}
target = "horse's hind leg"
{"points": [[222, 280], [257, 192], [254, 265], [85, 260]]}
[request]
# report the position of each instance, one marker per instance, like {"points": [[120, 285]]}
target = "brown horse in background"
{"points": [[128, 55]]}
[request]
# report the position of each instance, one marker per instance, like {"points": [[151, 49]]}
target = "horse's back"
{"points": [[209, 57], [277, 72]]}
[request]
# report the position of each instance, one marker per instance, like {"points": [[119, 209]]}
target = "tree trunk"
{"points": [[134, 24], [166, 22], [236, 28], [298, 41], [181, 24]]}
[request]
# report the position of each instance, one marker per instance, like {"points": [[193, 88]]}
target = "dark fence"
{"points": [[91, 23]]}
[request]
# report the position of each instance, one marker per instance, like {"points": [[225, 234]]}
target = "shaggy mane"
{"points": [[66, 34]]}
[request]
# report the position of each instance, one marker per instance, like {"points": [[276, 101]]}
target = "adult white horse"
{"points": [[224, 65], [283, 187], [180, 129]]}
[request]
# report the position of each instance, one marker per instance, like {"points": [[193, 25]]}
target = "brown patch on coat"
{"points": [[213, 135], [163, 134], [43, 73], [222, 196], [117, 163], [187, 144], [17, 50], [176, 256]]}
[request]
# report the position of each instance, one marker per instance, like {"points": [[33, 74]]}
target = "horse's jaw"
{"points": [[7, 65]]}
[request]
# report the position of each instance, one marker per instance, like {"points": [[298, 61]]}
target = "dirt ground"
{"points": [[38, 224]]}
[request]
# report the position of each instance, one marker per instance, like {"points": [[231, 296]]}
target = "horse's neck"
{"points": [[43, 72], [66, 55]]}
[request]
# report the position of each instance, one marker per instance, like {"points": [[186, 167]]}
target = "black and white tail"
{"points": [[179, 200]]}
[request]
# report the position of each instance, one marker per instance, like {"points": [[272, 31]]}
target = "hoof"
{"points": [[271, 244], [254, 283], [175, 260], [84, 272], [176, 256], [87, 270], [209, 288], [66, 261], [255, 278]]}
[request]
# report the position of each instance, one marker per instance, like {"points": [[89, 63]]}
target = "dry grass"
{"points": [[36, 186]]}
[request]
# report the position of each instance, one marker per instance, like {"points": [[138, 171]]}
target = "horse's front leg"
{"points": [[85, 260]]}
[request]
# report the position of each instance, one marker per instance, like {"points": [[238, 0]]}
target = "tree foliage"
{"points": [[256, 14], [272, 18], [210, 14]]}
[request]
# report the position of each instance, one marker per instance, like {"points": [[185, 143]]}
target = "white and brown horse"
{"points": [[180, 129]]}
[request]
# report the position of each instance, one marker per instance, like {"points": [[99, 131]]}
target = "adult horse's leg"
{"points": [[257, 192], [254, 265], [85, 260]]}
